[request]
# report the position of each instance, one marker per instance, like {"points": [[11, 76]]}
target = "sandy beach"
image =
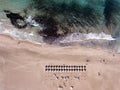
{"points": [[22, 67], [59, 45]]}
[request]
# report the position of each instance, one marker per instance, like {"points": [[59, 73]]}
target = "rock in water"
{"points": [[16, 20], [49, 25]]}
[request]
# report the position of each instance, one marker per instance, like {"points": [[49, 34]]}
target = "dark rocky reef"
{"points": [[49, 24], [16, 20], [50, 29]]}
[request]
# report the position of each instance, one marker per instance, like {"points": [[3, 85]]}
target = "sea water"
{"points": [[20, 5], [14, 5]]}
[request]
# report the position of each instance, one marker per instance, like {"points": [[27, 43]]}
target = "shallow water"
{"points": [[14, 5]]}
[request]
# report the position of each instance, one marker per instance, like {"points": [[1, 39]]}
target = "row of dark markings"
{"points": [[66, 68]]}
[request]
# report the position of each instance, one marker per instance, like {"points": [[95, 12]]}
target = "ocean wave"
{"points": [[117, 45], [30, 21], [20, 34], [95, 38], [76, 37]]}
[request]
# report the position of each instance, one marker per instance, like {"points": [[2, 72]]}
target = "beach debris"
{"points": [[87, 60], [56, 76], [99, 73], [113, 55], [60, 87], [77, 77], [71, 87]]}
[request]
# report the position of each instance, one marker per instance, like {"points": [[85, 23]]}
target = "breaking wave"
{"points": [[21, 34], [74, 37]]}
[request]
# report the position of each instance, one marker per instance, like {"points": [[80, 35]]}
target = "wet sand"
{"points": [[22, 67]]}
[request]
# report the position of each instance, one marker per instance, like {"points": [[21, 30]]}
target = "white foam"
{"points": [[30, 21], [118, 50], [21, 35], [1, 23], [31, 34], [75, 37], [99, 36], [117, 45]]}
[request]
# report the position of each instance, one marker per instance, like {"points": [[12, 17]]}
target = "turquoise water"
{"points": [[14, 5]]}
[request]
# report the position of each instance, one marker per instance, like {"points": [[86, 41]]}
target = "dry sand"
{"points": [[22, 67]]}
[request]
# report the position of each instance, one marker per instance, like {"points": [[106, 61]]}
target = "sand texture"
{"points": [[22, 67]]}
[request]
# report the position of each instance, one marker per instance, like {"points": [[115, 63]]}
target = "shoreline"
{"points": [[37, 44], [59, 45]]}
